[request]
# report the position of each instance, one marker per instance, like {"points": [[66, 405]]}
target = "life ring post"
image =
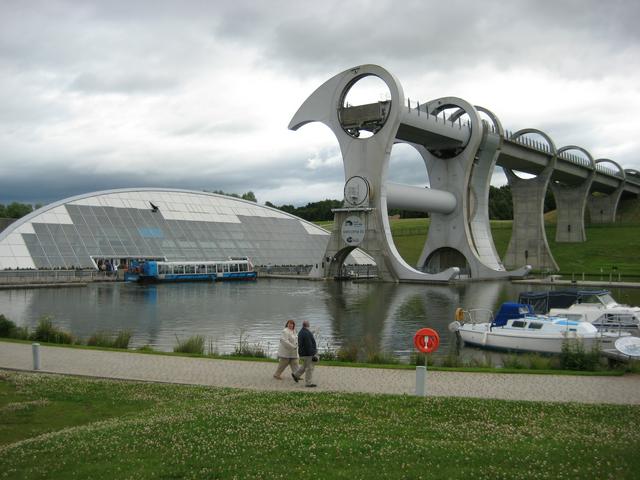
{"points": [[421, 380], [426, 340]]}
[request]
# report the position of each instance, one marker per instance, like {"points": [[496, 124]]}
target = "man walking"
{"points": [[307, 351]]}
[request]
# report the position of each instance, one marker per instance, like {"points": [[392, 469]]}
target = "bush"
{"points": [[7, 327], [193, 344], [541, 362], [122, 339], [328, 354], [420, 359], [381, 358], [105, 339], [484, 362], [452, 360], [575, 357], [245, 349], [21, 333], [513, 361], [46, 331], [347, 353], [100, 339]]}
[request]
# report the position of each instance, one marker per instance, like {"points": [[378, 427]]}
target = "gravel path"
{"points": [[258, 375]]}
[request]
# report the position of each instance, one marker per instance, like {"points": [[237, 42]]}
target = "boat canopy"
{"points": [[509, 311], [542, 302]]}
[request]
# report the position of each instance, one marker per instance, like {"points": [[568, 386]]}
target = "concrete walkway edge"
{"points": [[258, 376]]}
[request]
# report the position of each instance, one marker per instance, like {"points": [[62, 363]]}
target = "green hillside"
{"points": [[608, 249]]}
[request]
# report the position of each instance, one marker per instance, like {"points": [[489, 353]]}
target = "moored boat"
{"points": [[517, 328], [154, 271], [597, 307]]}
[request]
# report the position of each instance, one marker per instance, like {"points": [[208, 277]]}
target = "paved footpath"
{"points": [[258, 376]]}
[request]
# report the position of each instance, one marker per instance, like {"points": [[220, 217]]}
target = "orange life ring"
{"points": [[426, 340]]}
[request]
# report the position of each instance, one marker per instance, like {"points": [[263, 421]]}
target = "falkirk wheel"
{"points": [[459, 159]]}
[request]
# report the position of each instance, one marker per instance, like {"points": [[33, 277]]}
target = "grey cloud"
{"points": [[157, 47], [122, 83], [570, 38]]}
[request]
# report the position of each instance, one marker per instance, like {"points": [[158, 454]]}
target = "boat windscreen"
{"points": [[542, 302]]}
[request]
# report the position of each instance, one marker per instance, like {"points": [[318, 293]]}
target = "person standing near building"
{"points": [[308, 354], [288, 350]]}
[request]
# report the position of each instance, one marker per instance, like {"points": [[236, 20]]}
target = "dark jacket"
{"points": [[306, 343]]}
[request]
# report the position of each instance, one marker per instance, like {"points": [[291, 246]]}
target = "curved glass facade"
{"points": [[175, 225]]}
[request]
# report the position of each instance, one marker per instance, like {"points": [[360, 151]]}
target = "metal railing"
{"points": [[19, 277]]}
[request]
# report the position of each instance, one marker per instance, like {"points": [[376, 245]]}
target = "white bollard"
{"points": [[421, 380], [35, 348]]}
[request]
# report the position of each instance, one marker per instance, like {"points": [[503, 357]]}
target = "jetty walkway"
{"points": [[258, 376]]}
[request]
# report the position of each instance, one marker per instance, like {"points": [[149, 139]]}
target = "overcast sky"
{"points": [[198, 94]]}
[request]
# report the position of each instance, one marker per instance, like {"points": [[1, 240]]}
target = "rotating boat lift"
{"points": [[459, 159]]}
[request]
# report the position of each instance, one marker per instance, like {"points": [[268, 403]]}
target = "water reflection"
{"points": [[374, 316]]}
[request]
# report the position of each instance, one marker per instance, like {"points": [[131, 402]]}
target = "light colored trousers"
{"points": [[307, 369], [283, 362]]}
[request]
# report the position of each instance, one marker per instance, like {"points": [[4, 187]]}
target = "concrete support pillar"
{"points": [[528, 243], [570, 205], [571, 201], [603, 208], [338, 248]]}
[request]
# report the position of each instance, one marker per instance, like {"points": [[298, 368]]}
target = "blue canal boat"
{"points": [[154, 271]]}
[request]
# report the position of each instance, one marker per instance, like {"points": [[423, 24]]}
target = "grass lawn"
{"points": [[59, 427], [607, 246]]}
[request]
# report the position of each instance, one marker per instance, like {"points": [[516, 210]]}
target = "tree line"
{"points": [[16, 210], [500, 206], [501, 203]]}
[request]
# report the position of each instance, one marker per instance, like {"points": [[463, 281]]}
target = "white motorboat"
{"points": [[516, 327], [597, 307]]}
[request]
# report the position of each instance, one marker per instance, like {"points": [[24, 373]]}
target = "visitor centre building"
{"points": [[168, 224]]}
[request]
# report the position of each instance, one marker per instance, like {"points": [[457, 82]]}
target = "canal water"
{"points": [[375, 316]]}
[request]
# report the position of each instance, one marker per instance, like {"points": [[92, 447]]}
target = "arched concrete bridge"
{"points": [[461, 144]]}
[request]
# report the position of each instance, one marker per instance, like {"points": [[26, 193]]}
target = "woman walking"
{"points": [[288, 349]]}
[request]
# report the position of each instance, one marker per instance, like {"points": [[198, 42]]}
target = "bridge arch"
{"points": [[590, 161], [447, 257], [632, 172], [621, 172]]}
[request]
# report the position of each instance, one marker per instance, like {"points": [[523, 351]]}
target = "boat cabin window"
{"points": [[178, 269], [519, 324], [244, 267], [535, 325], [211, 269], [225, 267], [164, 269], [234, 267], [201, 269], [189, 269]]}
